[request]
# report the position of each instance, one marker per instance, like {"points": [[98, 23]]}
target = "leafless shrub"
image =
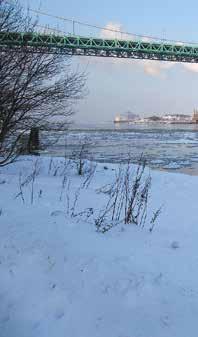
{"points": [[90, 172], [34, 174], [102, 222], [85, 214], [65, 178], [68, 197], [72, 199], [57, 168], [81, 155], [105, 189], [66, 166], [50, 165], [81, 162], [155, 216], [75, 201], [63, 185], [21, 188], [29, 180], [53, 167], [40, 193], [127, 198]]}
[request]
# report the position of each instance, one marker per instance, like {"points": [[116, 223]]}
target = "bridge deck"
{"points": [[74, 45]]}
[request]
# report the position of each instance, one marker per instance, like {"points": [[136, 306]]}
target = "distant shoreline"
{"points": [[154, 122]]}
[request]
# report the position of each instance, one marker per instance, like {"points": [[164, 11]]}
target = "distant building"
{"points": [[126, 118], [195, 116], [177, 118], [154, 118], [166, 118]]}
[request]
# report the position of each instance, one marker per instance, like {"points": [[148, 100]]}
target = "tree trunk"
{"points": [[33, 141]]}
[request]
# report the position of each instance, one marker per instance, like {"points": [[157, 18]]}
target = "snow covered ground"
{"points": [[61, 278]]}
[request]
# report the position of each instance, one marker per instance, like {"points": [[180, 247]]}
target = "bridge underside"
{"points": [[103, 53], [70, 45]]}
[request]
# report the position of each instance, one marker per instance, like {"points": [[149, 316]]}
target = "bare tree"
{"points": [[36, 89]]}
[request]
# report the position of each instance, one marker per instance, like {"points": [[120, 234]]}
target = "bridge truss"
{"points": [[75, 45]]}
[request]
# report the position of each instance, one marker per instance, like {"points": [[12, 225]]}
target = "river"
{"points": [[166, 147]]}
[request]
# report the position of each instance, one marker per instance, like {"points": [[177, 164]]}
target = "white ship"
{"points": [[128, 117]]}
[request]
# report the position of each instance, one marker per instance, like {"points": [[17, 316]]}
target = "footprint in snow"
{"points": [[165, 320], [175, 245], [57, 213], [59, 313]]}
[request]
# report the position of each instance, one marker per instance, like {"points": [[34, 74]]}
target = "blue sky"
{"points": [[140, 86]]}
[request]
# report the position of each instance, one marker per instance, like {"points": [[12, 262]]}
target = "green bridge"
{"points": [[76, 45]]}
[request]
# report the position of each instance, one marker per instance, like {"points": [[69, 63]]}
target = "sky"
{"points": [[116, 86]]}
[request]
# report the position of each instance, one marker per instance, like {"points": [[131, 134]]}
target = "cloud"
{"points": [[115, 31], [191, 67], [179, 43], [151, 68], [156, 68]]}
